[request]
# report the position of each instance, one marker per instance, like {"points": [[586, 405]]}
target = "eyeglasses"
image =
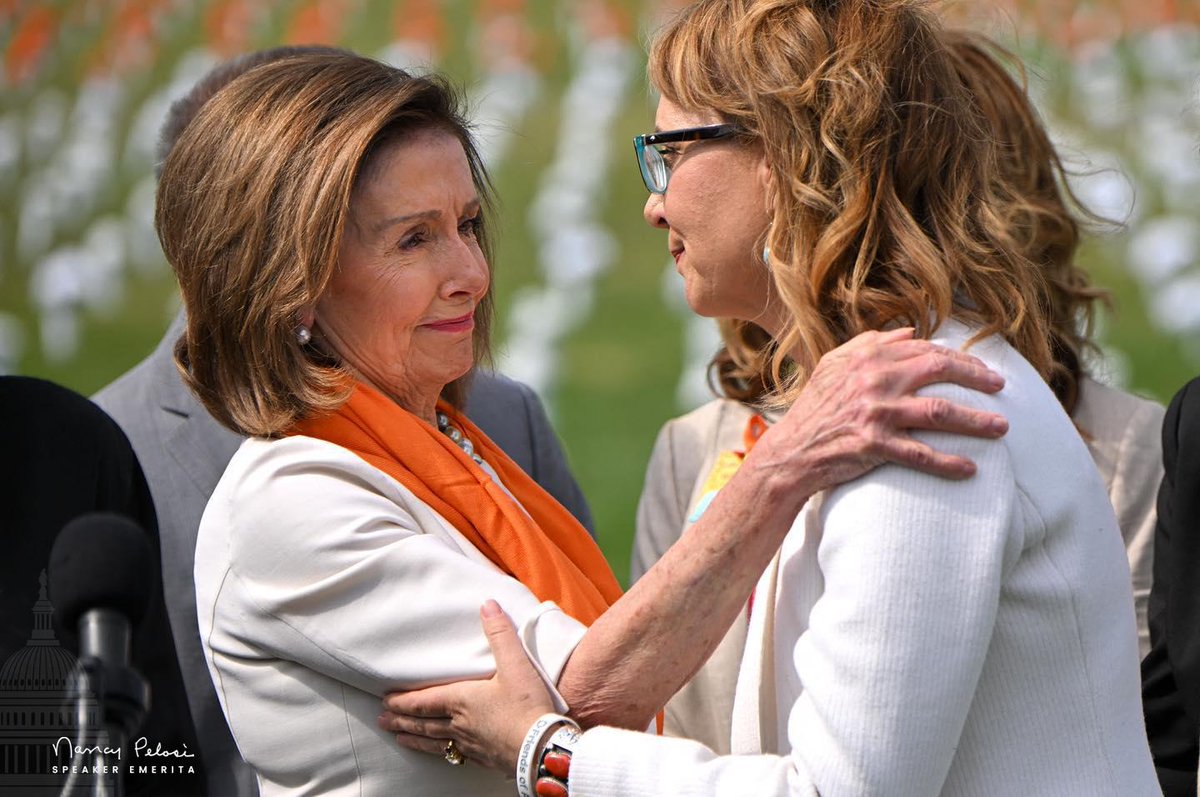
{"points": [[653, 154]]}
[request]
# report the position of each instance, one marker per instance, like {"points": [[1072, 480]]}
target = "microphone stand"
{"points": [[104, 680]]}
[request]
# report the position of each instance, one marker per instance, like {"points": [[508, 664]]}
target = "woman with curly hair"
{"points": [[692, 455], [821, 170]]}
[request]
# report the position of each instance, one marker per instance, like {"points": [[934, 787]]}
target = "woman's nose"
{"points": [[468, 274], [653, 212]]}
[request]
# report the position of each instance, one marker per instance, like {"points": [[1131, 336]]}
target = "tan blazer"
{"points": [[685, 451], [1123, 436]]}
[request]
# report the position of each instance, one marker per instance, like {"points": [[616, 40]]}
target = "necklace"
{"points": [[460, 440]]}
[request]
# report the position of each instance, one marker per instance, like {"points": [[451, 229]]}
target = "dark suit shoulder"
{"points": [[45, 415], [1171, 671], [1182, 423]]}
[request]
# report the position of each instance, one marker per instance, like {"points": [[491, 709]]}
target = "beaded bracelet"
{"points": [[554, 762], [528, 759]]}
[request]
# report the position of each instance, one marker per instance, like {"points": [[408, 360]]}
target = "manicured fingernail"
{"points": [[490, 609], [999, 425]]}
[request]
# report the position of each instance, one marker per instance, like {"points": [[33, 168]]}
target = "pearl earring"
{"points": [[304, 335]]}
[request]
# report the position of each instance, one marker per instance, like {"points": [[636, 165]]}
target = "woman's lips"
{"points": [[463, 323]]}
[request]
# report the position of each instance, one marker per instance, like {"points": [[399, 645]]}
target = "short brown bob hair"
{"points": [[252, 204]]}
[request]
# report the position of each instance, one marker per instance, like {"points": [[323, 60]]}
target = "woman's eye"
{"points": [[413, 240], [471, 226], [669, 154]]}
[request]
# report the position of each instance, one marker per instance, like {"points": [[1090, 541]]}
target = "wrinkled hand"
{"points": [[858, 407], [486, 719]]}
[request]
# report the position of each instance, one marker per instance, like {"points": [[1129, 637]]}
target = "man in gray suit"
{"points": [[184, 451]]}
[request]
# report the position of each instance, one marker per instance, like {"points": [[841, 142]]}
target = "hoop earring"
{"points": [[303, 335]]}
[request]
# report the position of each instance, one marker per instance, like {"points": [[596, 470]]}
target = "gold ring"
{"points": [[453, 755]]}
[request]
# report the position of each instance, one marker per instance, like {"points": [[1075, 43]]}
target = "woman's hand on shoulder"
{"points": [[860, 404]]}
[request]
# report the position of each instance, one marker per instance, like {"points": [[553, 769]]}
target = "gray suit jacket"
{"points": [[184, 452]]}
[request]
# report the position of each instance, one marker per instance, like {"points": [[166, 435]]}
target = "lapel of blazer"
{"points": [[200, 445], [203, 448]]}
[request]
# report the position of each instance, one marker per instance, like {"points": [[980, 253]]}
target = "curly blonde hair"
{"points": [[1045, 216], [888, 202]]}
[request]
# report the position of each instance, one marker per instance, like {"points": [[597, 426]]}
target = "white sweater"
{"points": [[918, 636]]}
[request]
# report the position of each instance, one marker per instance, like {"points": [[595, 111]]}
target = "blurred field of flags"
{"points": [[590, 312]]}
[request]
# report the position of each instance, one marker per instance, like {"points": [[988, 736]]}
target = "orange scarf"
{"points": [[547, 549]]}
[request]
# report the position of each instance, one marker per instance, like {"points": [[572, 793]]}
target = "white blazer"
{"points": [[929, 637], [321, 585]]}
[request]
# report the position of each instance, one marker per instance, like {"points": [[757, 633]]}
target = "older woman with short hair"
{"points": [[820, 169], [326, 216]]}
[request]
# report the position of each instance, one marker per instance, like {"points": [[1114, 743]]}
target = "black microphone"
{"points": [[101, 574]]}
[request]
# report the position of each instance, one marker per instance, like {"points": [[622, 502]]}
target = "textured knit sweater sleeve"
{"points": [[912, 568]]}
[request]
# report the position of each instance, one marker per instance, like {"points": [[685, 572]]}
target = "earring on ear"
{"points": [[303, 335], [766, 250]]}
